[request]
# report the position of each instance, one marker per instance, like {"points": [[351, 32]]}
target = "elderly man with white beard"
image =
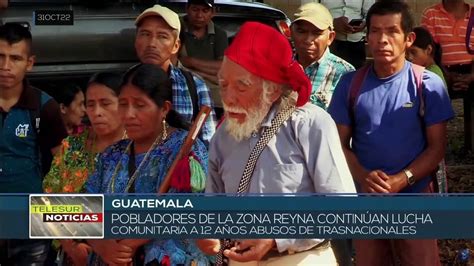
{"points": [[272, 141]]}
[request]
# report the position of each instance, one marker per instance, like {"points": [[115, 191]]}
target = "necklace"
{"points": [[158, 141]]}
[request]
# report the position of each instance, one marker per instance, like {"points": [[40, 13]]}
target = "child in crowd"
{"points": [[425, 52]]}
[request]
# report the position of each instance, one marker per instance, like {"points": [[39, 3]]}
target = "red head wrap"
{"points": [[266, 53]]}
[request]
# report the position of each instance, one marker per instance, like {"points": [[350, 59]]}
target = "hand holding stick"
{"points": [[187, 145]]}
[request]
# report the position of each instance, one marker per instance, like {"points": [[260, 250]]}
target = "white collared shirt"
{"points": [[352, 9]]}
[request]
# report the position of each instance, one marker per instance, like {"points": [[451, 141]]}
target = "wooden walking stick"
{"points": [[187, 145]]}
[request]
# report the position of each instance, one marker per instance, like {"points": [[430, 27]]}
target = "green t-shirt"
{"points": [[437, 70]]}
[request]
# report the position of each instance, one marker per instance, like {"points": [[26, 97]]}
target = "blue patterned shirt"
{"points": [[149, 179], [324, 75], [183, 105]]}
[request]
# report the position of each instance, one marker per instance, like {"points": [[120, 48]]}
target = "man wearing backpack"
{"points": [[156, 41], [397, 128], [312, 32], [31, 129]]}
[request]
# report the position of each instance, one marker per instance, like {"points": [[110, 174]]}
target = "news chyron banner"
{"points": [[290, 216], [67, 216], [188, 216]]}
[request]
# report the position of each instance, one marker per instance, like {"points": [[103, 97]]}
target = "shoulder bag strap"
{"points": [[244, 184], [192, 91], [354, 89], [470, 25], [266, 136], [418, 73]]}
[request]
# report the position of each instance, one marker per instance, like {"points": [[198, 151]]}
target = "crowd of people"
{"points": [[312, 118]]}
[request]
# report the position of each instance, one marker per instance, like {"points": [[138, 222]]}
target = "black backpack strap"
{"points": [[192, 91], [35, 119], [35, 114]]}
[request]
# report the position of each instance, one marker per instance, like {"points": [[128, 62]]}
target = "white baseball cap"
{"points": [[171, 18]]}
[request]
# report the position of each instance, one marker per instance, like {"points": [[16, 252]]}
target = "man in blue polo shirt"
{"points": [[396, 144], [24, 138]]}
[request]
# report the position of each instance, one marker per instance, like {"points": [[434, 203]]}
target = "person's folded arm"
{"points": [[212, 78], [210, 67]]}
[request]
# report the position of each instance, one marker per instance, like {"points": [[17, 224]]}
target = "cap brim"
{"points": [[318, 24], [150, 14]]}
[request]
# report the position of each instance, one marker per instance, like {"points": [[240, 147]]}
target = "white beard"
{"points": [[253, 119]]}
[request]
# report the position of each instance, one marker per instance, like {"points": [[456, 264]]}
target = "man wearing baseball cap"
{"points": [[293, 145], [157, 40], [203, 44], [312, 32]]}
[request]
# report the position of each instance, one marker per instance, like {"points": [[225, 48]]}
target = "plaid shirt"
{"points": [[324, 76], [182, 102]]}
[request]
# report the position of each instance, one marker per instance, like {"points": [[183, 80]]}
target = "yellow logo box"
{"points": [[56, 209]]}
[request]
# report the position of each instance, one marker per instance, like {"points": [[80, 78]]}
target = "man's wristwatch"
{"points": [[410, 177]]}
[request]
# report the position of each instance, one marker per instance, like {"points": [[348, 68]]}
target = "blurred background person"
{"points": [[349, 24], [77, 156], [3, 4], [203, 42], [447, 23], [202, 45], [425, 52], [71, 103], [75, 161]]}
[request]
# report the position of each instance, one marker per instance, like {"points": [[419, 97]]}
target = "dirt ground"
{"points": [[460, 168]]}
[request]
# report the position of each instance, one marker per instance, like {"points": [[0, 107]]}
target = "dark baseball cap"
{"points": [[209, 3]]}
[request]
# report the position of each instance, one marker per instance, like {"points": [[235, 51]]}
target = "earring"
{"points": [[164, 134]]}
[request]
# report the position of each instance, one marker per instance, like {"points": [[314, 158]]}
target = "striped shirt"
{"points": [[449, 33], [183, 104], [324, 75]]}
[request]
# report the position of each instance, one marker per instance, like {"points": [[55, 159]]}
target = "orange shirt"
{"points": [[449, 33]]}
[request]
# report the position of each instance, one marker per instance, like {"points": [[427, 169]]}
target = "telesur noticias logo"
{"points": [[66, 216]]}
